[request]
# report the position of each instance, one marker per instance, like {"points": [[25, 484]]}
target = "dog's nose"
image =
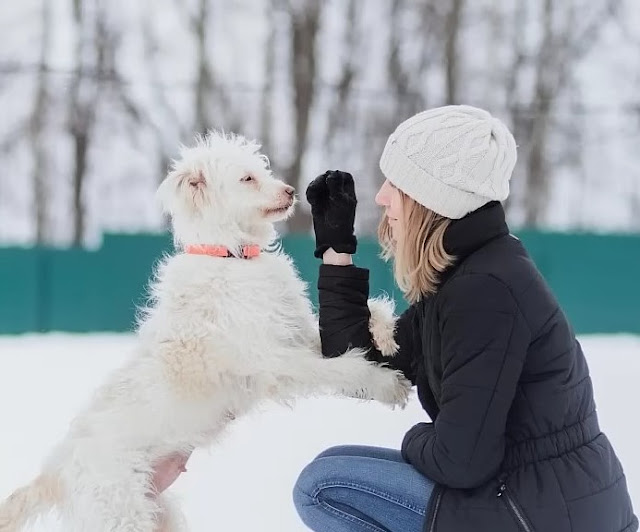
{"points": [[290, 190]]}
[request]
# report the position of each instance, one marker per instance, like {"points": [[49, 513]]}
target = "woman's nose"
{"points": [[382, 198]]}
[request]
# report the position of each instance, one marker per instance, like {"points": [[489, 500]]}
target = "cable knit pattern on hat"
{"points": [[451, 159]]}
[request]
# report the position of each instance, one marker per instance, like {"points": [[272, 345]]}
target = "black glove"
{"points": [[332, 197]]}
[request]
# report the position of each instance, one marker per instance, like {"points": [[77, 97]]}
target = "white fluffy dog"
{"points": [[227, 328]]}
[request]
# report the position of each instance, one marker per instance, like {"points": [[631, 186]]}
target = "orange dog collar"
{"points": [[248, 252]]}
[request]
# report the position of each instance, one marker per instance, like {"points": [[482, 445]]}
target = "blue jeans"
{"points": [[354, 488]]}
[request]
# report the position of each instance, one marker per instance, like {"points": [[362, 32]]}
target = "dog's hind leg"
{"points": [[124, 506], [132, 516], [171, 518]]}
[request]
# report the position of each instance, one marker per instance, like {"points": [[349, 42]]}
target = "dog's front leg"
{"points": [[312, 335], [349, 374]]}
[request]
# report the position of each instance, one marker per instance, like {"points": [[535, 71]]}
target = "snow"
{"points": [[245, 482]]}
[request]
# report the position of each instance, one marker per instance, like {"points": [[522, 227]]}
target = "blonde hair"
{"points": [[419, 257]]}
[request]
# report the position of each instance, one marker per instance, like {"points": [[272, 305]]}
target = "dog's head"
{"points": [[221, 191]]}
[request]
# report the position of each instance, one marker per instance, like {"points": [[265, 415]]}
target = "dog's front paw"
{"points": [[382, 325], [393, 388]]}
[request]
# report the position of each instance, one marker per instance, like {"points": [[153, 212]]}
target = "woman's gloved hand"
{"points": [[332, 197]]}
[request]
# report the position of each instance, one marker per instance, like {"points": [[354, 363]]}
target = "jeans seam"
{"points": [[365, 489], [348, 517]]}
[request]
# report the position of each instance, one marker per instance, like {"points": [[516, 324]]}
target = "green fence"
{"points": [[596, 279]]}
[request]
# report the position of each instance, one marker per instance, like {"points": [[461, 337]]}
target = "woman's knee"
{"points": [[338, 450], [305, 489]]}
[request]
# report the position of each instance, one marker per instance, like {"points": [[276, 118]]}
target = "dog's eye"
{"points": [[247, 179]]}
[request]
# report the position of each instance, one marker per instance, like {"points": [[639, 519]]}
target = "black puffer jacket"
{"points": [[514, 444]]}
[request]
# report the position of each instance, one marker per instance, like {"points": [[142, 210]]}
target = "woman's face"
{"points": [[390, 198]]}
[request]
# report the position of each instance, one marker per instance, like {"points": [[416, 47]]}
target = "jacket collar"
{"points": [[470, 233]]}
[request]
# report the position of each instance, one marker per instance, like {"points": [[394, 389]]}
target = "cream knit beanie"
{"points": [[451, 159]]}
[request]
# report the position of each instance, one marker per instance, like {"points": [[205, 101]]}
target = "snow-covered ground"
{"points": [[244, 484]]}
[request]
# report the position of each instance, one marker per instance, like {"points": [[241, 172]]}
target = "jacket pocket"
{"points": [[514, 508]]}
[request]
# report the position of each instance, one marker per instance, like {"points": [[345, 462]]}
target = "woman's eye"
{"points": [[247, 179]]}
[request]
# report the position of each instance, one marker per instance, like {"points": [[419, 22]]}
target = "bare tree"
{"points": [[452, 56], [571, 133], [399, 76], [635, 206], [341, 107], [534, 48], [266, 102], [561, 47], [205, 79], [37, 127], [520, 121], [94, 58], [412, 26], [213, 106], [81, 118], [407, 81], [304, 17], [547, 86], [161, 103]]}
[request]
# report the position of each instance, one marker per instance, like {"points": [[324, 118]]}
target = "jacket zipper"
{"points": [[436, 506], [503, 492]]}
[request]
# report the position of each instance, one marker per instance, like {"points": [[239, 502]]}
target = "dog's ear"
{"points": [[196, 181], [196, 187], [168, 191], [186, 188]]}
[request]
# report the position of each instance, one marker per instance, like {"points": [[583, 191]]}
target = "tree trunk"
{"points": [[266, 116], [80, 144], [304, 28], [205, 78], [339, 111], [452, 38], [519, 120], [78, 125], [635, 206], [545, 92], [84, 97], [37, 126]]}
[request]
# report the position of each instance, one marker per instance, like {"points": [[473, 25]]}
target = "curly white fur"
{"points": [[382, 325], [220, 336]]}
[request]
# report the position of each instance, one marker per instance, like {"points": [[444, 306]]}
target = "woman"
{"points": [[514, 443]]}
